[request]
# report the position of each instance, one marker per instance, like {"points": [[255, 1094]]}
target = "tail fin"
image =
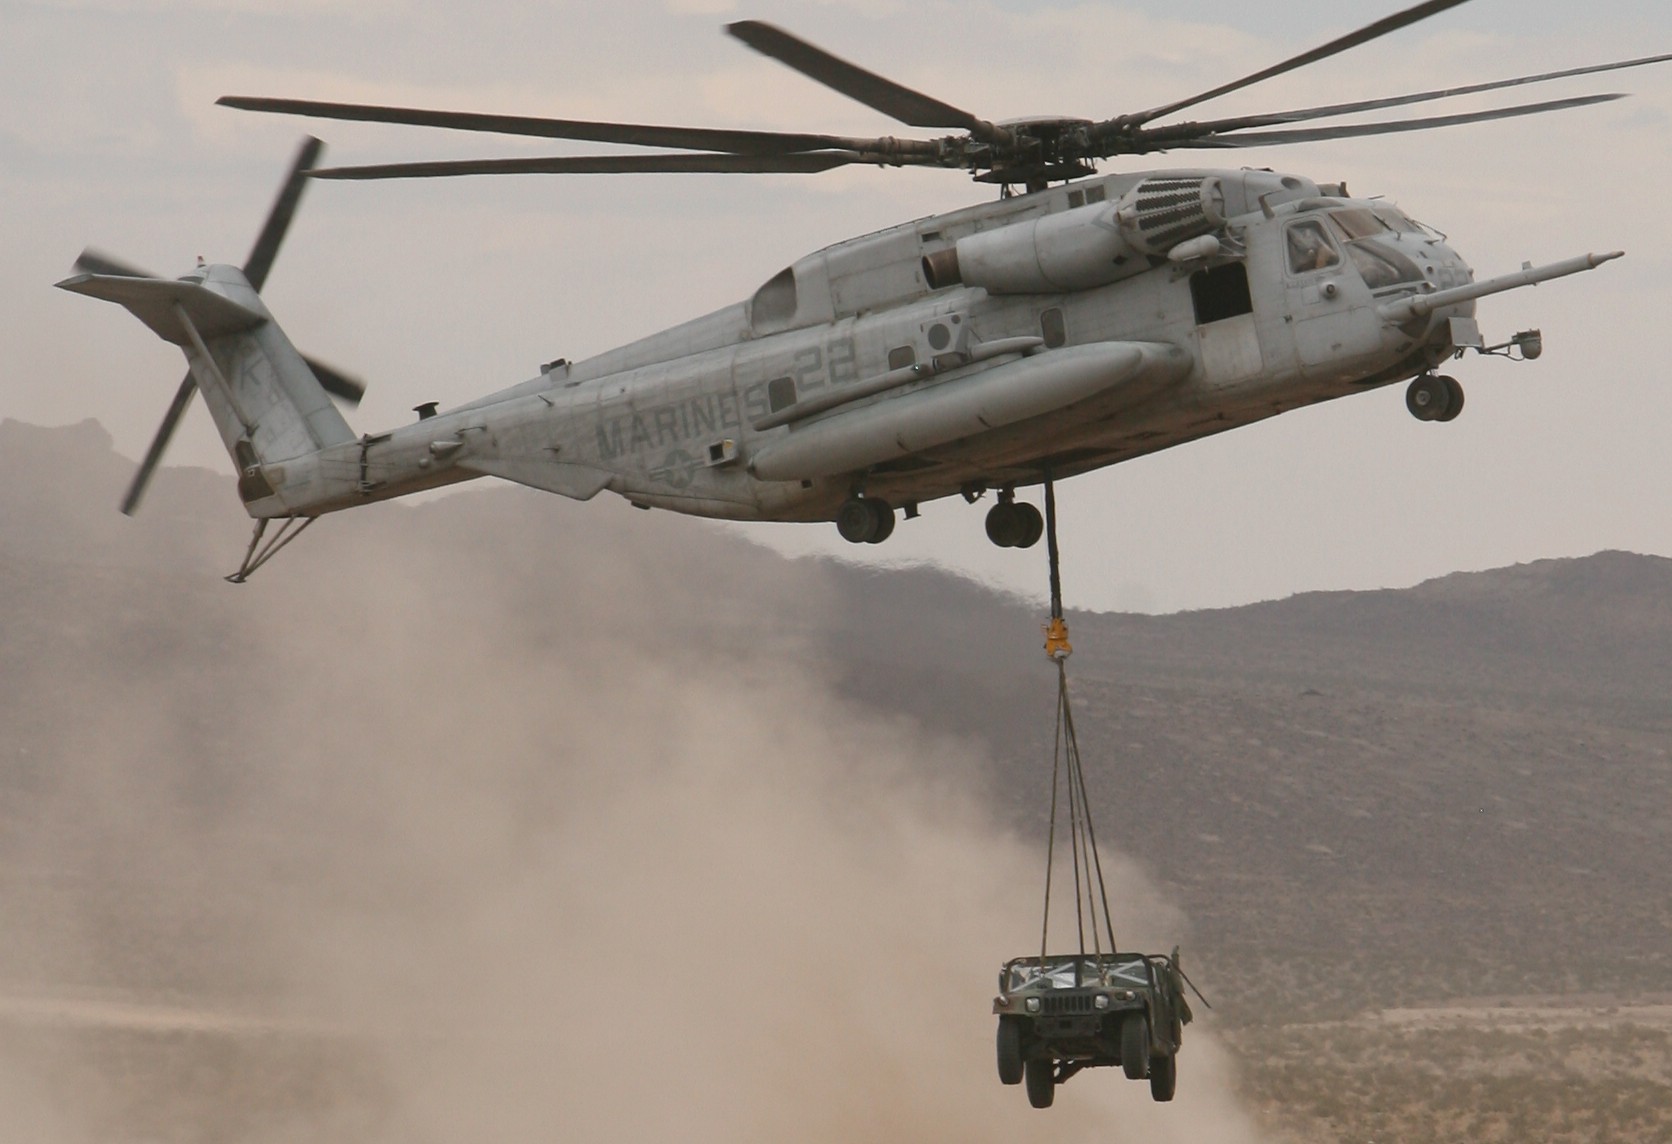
{"points": [[267, 403]]}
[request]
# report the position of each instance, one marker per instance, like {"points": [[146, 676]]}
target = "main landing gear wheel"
{"points": [[1014, 524], [865, 520], [1434, 398], [1042, 1082], [1010, 1051]]}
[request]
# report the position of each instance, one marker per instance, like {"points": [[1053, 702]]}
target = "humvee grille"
{"points": [[1069, 1003]]}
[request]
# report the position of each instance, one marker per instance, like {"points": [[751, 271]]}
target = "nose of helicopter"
{"points": [[1444, 267]]}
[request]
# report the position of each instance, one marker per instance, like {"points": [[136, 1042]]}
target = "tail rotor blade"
{"points": [[171, 420], [337, 383], [266, 247]]}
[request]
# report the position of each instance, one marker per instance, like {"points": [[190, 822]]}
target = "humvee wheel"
{"points": [[1042, 1082], [1134, 1046], [1163, 1077], [1010, 1050]]}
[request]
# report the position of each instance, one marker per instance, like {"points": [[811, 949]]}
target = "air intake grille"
{"points": [[1067, 1003], [1170, 210]]}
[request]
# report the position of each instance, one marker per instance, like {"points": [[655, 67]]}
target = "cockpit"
{"points": [[1370, 236]]}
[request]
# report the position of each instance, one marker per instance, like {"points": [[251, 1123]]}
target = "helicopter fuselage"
{"points": [[1277, 309], [1035, 337]]}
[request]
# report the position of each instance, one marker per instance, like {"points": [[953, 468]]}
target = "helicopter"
{"points": [[1074, 321]]}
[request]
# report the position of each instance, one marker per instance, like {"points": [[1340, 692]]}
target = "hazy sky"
{"points": [[446, 289]]}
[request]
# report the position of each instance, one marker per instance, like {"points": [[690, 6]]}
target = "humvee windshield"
{"points": [[1059, 972]]}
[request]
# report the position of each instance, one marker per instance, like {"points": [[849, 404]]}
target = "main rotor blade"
{"points": [[147, 466], [799, 164], [1364, 35], [637, 134], [1277, 118], [892, 99], [1355, 130], [266, 247]]}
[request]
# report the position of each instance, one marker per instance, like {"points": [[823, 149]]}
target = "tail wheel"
{"points": [[1134, 1047], [1163, 1077], [1010, 1051], [1042, 1082]]}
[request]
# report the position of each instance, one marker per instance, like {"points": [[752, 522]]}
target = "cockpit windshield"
{"points": [[1372, 244], [1360, 223], [1398, 220]]}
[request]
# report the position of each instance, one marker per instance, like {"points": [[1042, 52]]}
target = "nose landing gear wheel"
{"points": [[1454, 399], [1013, 524], [865, 520], [1434, 398]]}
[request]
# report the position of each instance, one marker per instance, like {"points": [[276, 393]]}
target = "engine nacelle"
{"points": [[1084, 247]]}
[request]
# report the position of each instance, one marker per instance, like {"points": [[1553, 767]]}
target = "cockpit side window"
{"points": [[1310, 248]]}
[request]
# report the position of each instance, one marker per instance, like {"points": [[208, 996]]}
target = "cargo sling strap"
{"points": [[1068, 784]]}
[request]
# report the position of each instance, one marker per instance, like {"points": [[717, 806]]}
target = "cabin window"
{"points": [[780, 393], [1310, 248], [1096, 194], [1076, 199], [1221, 293], [1052, 328], [901, 356]]}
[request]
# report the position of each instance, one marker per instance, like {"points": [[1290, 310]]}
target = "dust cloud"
{"points": [[471, 824]]}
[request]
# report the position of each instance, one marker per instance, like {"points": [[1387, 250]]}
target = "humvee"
{"points": [[1060, 1014]]}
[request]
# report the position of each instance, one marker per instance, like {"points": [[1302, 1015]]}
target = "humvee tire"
{"points": [[1134, 1046], [1163, 1077], [1010, 1050], [1042, 1082]]}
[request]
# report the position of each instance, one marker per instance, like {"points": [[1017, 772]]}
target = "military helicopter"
{"points": [[1072, 322]]}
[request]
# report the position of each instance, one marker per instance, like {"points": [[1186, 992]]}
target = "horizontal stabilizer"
{"points": [[158, 302]]}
